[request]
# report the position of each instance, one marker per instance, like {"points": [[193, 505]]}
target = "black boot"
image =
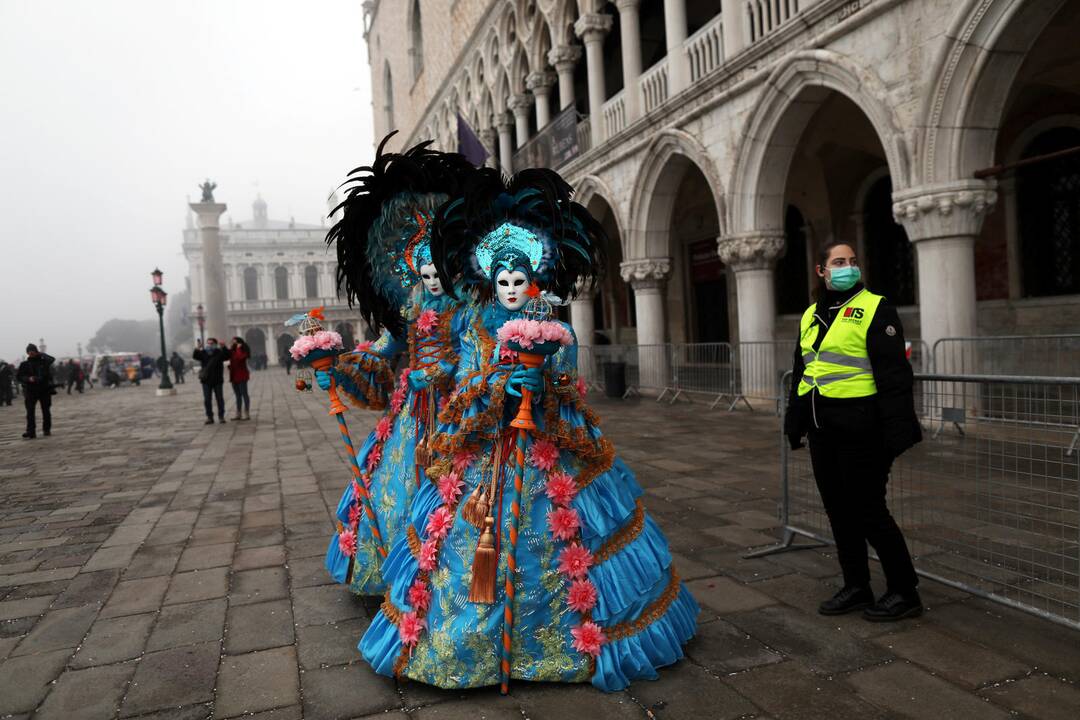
{"points": [[849, 599], [894, 606]]}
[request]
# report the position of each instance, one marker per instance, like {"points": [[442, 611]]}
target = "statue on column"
{"points": [[208, 191]]}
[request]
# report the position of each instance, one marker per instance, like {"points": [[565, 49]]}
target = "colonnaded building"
{"points": [[269, 270], [721, 141]]}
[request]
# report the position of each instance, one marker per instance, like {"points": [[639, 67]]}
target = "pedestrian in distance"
{"points": [[73, 370], [35, 375], [177, 364], [852, 397], [212, 376], [7, 377], [287, 361], [239, 352]]}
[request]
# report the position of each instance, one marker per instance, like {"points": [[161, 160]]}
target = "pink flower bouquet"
{"points": [[542, 337], [309, 348]]}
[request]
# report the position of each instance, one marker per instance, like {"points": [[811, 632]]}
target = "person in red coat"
{"points": [[239, 352]]}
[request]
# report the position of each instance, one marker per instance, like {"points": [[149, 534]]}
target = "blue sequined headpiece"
{"points": [[509, 246], [400, 243]]}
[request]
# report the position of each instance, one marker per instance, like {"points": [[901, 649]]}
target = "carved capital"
{"points": [[208, 215], [564, 57], [751, 251], [645, 273], [625, 5], [489, 137], [520, 104], [593, 26], [539, 81], [946, 210], [504, 122]]}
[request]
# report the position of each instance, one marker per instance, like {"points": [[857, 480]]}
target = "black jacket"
{"points": [[213, 363], [890, 413], [35, 374]]}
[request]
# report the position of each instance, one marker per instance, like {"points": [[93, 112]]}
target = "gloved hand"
{"points": [[323, 379], [795, 441], [531, 379], [418, 380]]}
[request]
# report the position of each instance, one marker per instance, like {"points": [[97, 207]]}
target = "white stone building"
{"points": [[722, 141], [272, 270]]}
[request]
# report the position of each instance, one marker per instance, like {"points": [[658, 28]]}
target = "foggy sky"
{"points": [[111, 114]]}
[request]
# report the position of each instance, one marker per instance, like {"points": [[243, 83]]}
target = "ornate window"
{"points": [[251, 284], [1048, 208], [281, 283], [311, 281]]}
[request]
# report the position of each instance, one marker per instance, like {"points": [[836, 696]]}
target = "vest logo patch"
{"points": [[853, 314]]}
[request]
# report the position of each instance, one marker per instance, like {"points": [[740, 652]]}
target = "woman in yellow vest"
{"points": [[851, 396]]}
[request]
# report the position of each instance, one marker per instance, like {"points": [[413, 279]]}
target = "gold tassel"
{"points": [[476, 507], [484, 566]]}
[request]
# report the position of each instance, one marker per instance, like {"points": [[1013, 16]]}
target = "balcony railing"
{"points": [[765, 16], [614, 114], [275, 304], [705, 49], [654, 85], [584, 135]]}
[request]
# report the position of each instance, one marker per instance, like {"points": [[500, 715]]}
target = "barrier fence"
{"points": [[1042, 355], [989, 501]]}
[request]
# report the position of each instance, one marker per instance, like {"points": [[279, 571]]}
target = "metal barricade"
{"points": [[759, 367], [989, 501], [701, 369], [1027, 355]]}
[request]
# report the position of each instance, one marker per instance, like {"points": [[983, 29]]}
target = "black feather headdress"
{"points": [[385, 216], [529, 220]]}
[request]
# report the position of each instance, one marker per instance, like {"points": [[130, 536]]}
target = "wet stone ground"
{"points": [[152, 567]]}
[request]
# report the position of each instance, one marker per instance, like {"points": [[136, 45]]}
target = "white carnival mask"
{"points": [[510, 287], [430, 277]]}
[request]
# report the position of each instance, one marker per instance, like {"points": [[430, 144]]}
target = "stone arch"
{"points": [[791, 95], [592, 186], [974, 74], [654, 194]]}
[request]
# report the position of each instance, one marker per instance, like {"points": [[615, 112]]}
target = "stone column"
{"points": [[272, 332], [490, 138], [752, 256], [540, 84], [943, 221], [734, 16], [581, 319], [506, 143], [630, 33], [564, 58], [648, 277], [207, 218], [519, 105], [591, 29], [675, 34]]}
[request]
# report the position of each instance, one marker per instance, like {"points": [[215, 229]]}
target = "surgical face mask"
{"points": [[510, 287], [844, 278], [430, 277], [211, 346]]}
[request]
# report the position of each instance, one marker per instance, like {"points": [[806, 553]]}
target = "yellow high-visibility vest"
{"points": [[840, 367]]}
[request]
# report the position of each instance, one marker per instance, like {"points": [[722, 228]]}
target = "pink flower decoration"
{"points": [[397, 400], [582, 388], [419, 595], [383, 428], [462, 460], [354, 515], [439, 522], [582, 596], [427, 321], [347, 542], [429, 554], [588, 637], [506, 353], [575, 561], [373, 458], [364, 346], [527, 332], [403, 379], [322, 340], [356, 490], [410, 627], [563, 523], [561, 488], [450, 487], [543, 454]]}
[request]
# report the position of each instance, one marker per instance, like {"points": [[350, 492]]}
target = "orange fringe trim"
{"points": [[623, 536], [374, 393], [413, 538], [392, 612], [649, 615]]}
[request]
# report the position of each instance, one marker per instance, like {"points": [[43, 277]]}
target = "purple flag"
{"points": [[469, 145]]}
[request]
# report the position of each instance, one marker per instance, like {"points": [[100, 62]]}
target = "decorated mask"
{"points": [[430, 277], [511, 287]]}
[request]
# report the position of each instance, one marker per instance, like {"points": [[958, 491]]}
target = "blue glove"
{"points": [[418, 380], [323, 379], [531, 379]]}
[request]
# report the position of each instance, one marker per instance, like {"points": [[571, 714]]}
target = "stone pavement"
{"points": [[152, 567]]}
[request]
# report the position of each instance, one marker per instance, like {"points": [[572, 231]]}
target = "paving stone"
{"points": [[118, 556], [38, 576], [251, 558], [331, 644], [725, 595], [64, 628], [723, 648], [7, 644], [909, 692], [27, 607], [24, 681], [136, 596], [1038, 696], [688, 691], [198, 585], [308, 572], [554, 700], [261, 518], [487, 707], [294, 712], [818, 643], [114, 639], [202, 557], [740, 536], [261, 536], [213, 536], [789, 691], [302, 547], [960, 661], [324, 604], [347, 691], [90, 694], [259, 626], [172, 678], [153, 560], [252, 586], [187, 624], [168, 535], [190, 712], [257, 681]]}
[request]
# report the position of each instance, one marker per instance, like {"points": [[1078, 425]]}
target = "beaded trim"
{"points": [[649, 615], [623, 536]]}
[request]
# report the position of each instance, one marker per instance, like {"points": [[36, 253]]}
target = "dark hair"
{"points": [[31, 348], [822, 257]]}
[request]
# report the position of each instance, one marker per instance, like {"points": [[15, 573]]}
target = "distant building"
{"points": [[274, 269]]}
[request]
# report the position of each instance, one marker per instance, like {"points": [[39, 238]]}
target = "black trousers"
{"points": [[218, 392], [852, 472], [243, 400], [46, 415]]}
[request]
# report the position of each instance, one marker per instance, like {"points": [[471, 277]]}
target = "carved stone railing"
{"points": [[654, 85], [614, 114], [705, 49]]}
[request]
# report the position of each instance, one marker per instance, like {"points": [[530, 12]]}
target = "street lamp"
{"points": [[200, 317], [159, 296]]}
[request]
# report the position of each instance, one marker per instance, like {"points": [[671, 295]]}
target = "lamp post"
{"points": [[200, 317], [158, 296]]}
